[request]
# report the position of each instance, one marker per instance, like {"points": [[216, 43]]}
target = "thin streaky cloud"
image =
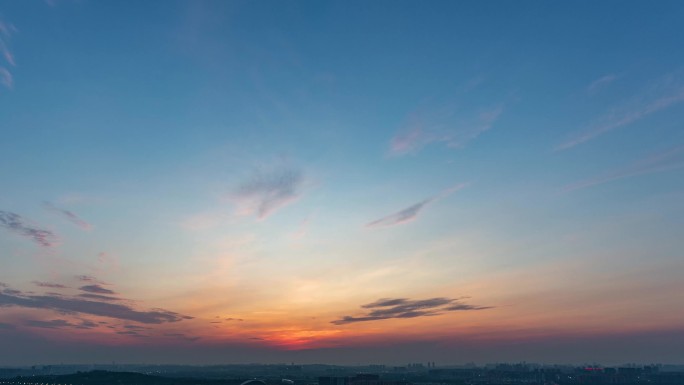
{"points": [[73, 218], [387, 308], [411, 213], [484, 122], [132, 334], [87, 278], [50, 285], [96, 289], [15, 223], [6, 53], [302, 230], [136, 327], [60, 324], [671, 159], [404, 216], [665, 96], [6, 32], [6, 78], [182, 336], [601, 82], [99, 297]]}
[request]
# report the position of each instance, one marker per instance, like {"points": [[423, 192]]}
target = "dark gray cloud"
{"points": [[97, 289], [410, 213], [6, 326], [73, 218], [385, 302], [50, 285], [99, 297], [18, 225], [86, 278], [60, 324], [131, 333], [86, 324], [386, 308], [76, 305], [406, 215], [135, 327], [266, 192]]}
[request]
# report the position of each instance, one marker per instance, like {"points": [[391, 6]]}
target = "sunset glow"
{"points": [[341, 182]]}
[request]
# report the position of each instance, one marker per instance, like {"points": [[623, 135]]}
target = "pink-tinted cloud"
{"points": [[446, 125], [107, 262], [302, 230], [671, 159], [411, 213], [73, 218]]}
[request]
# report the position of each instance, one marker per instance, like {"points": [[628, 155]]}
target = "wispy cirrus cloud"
{"points": [[601, 82], [662, 95], [76, 305], [73, 218], [670, 159], [6, 78], [302, 230], [6, 32], [387, 308], [267, 191], [18, 225], [446, 125], [411, 213]]}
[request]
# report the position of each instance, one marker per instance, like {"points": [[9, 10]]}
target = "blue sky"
{"points": [[289, 163]]}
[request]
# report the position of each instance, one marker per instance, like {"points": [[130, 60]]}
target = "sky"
{"points": [[341, 181]]}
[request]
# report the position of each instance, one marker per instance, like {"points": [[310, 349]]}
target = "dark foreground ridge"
{"points": [[413, 374], [102, 377]]}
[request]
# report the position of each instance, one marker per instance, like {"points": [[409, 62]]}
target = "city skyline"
{"points": [[341, 182]]}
